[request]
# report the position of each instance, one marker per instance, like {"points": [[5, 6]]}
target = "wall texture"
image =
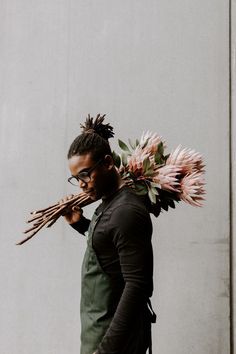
{"points": [[154, 65]]}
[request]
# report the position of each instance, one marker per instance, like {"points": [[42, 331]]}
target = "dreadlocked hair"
{"points": [[93, 139]]}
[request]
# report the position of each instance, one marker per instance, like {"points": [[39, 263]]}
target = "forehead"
{"points": [[78, 163]]}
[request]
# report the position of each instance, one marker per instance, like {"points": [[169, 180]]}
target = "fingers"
{"points": [[77, 209], [71, 214], [66, 198]]}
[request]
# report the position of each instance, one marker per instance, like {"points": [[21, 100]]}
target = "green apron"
{"points": [[97, 304], [96, 300]]}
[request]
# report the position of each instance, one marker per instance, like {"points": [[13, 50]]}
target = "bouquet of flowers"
{"points": [[160, 179]]}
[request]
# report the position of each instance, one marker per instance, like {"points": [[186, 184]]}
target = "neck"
{"points": [[115, 183]]}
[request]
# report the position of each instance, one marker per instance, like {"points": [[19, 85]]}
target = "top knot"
{"points": [[96, 126]]}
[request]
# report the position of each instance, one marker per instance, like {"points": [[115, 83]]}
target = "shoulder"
{"points": [[128, 197], [128, 212]]}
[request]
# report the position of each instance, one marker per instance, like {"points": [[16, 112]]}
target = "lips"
{"points": [[91, 194], [89, 191]]}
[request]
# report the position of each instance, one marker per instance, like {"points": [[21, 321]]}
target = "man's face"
{"points": [[98, 178]]}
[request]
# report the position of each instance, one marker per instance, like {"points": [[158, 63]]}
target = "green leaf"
{"points": [[155, 185], [155, 209], [152, 196], [124, 159], [160, 148], [123, 146], [164, 205], [149, 172], [172, 204], [166, 157], [140, 189], [150, 169], [117, 159], [132, 175], [137, 142], [154, 190], [132, 145], [158, 159], [145, 143], [146, 164]]}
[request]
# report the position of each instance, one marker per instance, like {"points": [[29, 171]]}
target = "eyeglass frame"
{"points": [[86, 173]]}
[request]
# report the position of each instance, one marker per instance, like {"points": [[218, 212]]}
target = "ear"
{"points": [[108, 162]]}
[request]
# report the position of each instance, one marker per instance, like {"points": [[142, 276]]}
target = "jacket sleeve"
{"points": [[131, 232], [82, 225]]}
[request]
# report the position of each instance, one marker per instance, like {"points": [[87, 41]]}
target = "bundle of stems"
{"points": [[50, 215]]}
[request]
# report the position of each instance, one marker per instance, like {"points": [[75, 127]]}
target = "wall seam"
{"points": [[231, 172]]}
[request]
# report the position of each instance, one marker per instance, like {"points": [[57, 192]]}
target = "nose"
{"points": [[82, 184]]}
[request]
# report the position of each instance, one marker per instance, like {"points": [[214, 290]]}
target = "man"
{"points": [[118, 263]]}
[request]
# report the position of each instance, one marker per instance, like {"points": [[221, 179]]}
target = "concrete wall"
{"points": [[154, 65]]}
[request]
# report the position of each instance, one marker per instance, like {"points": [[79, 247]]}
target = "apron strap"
{"points": [[153, 315], [153, 320]]}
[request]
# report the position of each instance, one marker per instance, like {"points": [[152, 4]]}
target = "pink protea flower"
{"points": [[192, 188], [150, 142], [166, 178], [136, 161], [188, 160]]}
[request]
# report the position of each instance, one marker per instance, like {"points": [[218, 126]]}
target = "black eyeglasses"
{"points": [[83, 176]]}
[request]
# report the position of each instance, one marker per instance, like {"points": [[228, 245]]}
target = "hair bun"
{"points": [[96, 126]]}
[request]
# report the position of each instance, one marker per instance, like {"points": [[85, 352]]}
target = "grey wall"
{"points": [[154, 65]]}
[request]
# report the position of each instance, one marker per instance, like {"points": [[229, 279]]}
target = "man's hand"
{"points": [[73, 214]]}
